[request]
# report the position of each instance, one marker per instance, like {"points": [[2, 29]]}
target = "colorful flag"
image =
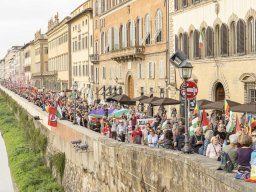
{"points": [[231, 124], [238, 128], [253, 123], [201, 44], [197, 110], [193, 126], [226, 108], [205, 120], [52, 118], [59, 112]]}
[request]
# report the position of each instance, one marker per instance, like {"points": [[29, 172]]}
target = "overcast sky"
{"points": [[20, 19]]}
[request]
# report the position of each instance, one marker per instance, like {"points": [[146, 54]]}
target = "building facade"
{"points": [[2, 69], [81, 27], [59, 68], [29, 60], [131, 47], [225, 64], [39, 70]]}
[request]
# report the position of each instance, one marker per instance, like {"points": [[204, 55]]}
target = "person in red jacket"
{"points": [[136, 135]]}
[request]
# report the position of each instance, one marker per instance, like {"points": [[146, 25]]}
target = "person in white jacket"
{"points": [[213, 149]]}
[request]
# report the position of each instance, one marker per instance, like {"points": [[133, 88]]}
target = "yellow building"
{"points": [[81, 29], [225, 66], [39, 70], [59, 70], [131, 47]]}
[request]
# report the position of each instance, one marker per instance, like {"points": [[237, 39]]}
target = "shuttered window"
{"points": [[209, 42], [162, 69], [121, 37], [159, 26], [132, 33], [176, 43], [124, 38], [116, 39], [176, 4], [233, 38], [240, 37], [185, 44], [196, 45], [224, 40], [147, 29], [250, 35]]}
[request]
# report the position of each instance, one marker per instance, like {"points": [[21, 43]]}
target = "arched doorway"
{"points": [[219, 92], [130, 87]]}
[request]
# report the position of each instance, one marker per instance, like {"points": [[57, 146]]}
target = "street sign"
{"points": [[192, 90]]}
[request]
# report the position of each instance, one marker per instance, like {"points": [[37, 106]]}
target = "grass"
{"points": [[27, 164]]}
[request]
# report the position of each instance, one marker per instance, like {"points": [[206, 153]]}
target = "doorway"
{"points": [[219, 92], [130, 87]]}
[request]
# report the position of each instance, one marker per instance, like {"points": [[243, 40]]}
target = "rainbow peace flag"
{"points": [[226, 108]]}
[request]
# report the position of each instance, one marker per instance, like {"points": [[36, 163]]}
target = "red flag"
{"points": [[205, 120], [238, 128], [52, 118]]}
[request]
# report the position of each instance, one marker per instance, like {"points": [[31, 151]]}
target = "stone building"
{"points": [[29, 60], [225, 66], [81, 31], [12, 63], [39, 70], [59, 62], [131, 48], [2, 69]]}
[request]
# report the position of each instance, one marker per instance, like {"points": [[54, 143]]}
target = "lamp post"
{"points": [[179, 60], [74, 87]]}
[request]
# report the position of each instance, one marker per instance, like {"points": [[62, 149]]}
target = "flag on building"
{"points": [[59, 112], [231, 124], [205, 120], [226, 108], [201, 44], [52, 118], [238, 128]]}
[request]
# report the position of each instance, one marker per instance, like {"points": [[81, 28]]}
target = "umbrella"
{"points": [[110, 98], [142, 97], [219, 105], [124, 99], [202, 102], [243, 108], [150, 100], [165, 101]]}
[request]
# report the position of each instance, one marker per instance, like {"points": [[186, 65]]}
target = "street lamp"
{"points": [[74, 88], [179, 60]]}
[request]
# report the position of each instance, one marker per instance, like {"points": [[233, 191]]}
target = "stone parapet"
{"points": [[111, 166]]}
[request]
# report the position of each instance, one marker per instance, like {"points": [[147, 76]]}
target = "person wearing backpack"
{"points": [[136, 135], [231, 149]]}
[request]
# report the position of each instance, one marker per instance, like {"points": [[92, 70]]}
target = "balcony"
{"points": [[131, 53], [95, 58]]}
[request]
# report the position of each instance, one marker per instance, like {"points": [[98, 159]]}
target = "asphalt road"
{"points": [[5, 175]]}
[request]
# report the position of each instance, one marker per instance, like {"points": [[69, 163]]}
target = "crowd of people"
{"points": [[212, 142]]}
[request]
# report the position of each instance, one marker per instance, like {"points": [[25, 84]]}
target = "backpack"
{"points": [[226, 163], [181, 142], [137, 139]]}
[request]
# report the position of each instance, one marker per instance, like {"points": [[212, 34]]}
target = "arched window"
{"points": [[124, 36], [209, 42], [132, 34], [191, 44], [240, 36], [250, 34], [138, 35], [185, 47], [109, 46], [196, 45], [217, 40], [180, 42], [116, 38], [102, 40], [159, 26], [224, 40], [147, 36], [233, 38], [176, 43]]}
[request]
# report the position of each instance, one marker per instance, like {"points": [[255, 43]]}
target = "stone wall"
{"points": [[110, 166]]}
